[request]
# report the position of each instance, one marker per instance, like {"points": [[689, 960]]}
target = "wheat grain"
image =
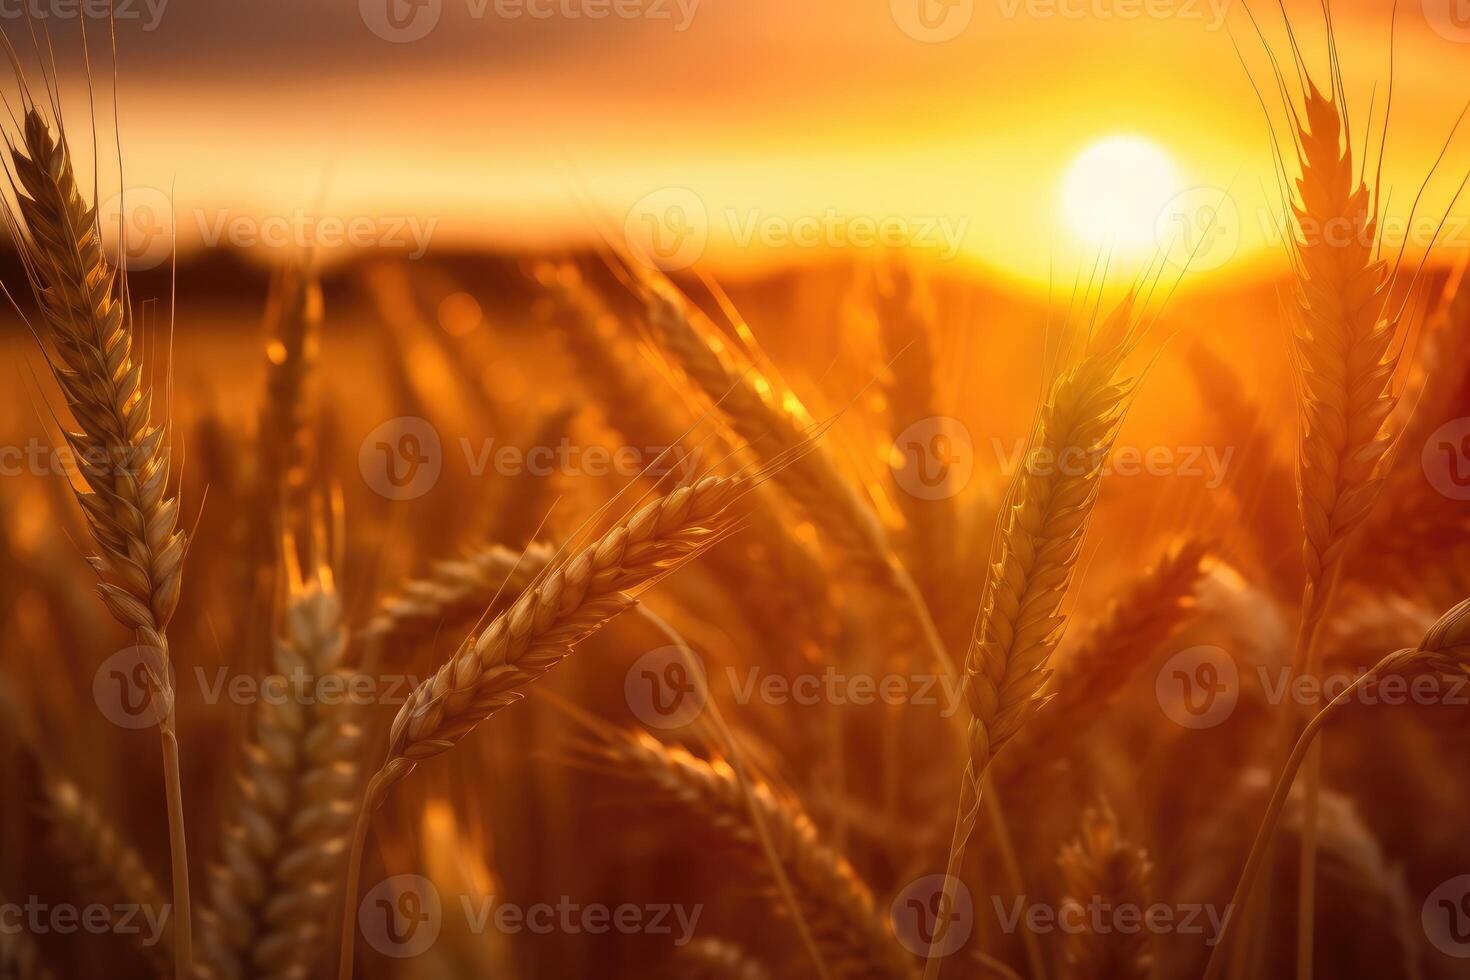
{"points": [[836, 905], [286, 440], [717, 959], [1101, 866], [88, 340], [111, 872]]}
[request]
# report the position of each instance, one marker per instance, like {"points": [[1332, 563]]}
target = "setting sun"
{"points": [[1115, 191]]}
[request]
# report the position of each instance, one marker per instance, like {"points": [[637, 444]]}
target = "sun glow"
{"points": [[1116, 192]]}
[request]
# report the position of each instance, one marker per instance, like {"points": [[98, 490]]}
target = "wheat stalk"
{"points": [[834, 902], [456, 593], [574, 598], [1101, 865], [87, 335], [109, 870], [284, 843], [1049, 508], [1445, 650]]}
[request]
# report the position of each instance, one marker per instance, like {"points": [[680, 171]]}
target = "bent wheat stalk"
{"points": [[1049, 509], [574, 598], [86, 332], [1445, 649]]}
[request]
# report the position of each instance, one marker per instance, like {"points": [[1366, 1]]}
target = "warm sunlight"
{"points": [[1116, 190]]}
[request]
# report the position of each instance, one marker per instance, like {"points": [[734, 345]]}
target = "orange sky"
{"points": [[763, 121]]}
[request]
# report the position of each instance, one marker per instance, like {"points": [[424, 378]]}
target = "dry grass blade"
{"points": [[838, 909], [1050, 506], [1153, 609], [284, 844], [86, 332], [110, 871], [456, 593], [1101, 866]]}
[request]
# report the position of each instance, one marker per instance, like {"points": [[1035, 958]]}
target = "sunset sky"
{"points": [[955, 127]]}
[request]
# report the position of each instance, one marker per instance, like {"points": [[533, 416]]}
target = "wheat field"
{"points": [[545, 613]]}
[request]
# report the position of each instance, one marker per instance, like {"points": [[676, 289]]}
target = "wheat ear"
{"points": [[1445, 649], [88, 339], [1040, 538], [1347, 353], [835, 903], [772, 421], [1103, 866], [574, 598], [284, 843], [110, 871], [456, 593], [1087, 681]]}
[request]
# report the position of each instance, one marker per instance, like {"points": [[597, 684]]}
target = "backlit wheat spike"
{"points": [[1048, 510], [717, 959], [1103, 867], [284, 843], [575, 597], [1346, 348], [87, 334], [286, 440], [906, 328], [19, 958], [456, 593], [1087, 681], [837, 906], [1040, 539], [110, 871]]}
